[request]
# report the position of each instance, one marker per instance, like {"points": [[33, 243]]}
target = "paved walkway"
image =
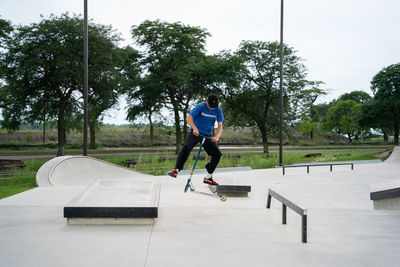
{"points": [[194, 230]]}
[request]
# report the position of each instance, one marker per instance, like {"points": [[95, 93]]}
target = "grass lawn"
{"points": [[159, 164], [171, 149], [13, 189]]}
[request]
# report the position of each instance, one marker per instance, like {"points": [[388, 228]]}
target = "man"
{"points": [[202, 120]]}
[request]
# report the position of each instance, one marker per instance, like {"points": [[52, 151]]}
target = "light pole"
{"points": [[281, 93], [85, 79]]}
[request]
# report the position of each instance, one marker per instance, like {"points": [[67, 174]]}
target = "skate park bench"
{"points": [[296, 208], [386, 196], [230, 188], [315, 165], [115, 202]]}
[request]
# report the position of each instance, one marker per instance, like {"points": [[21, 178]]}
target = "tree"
{"points": [[255, 102], [170, 49], [144, 102], [44, 73], [342, 118], [386, 88], [106, 73], [43, 70], [310, 119], [360, 97], [308, 126], [373, 115]]}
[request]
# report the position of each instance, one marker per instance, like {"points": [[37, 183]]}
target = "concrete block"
{"points": [[230, 188], [386, 196], [115, 202]]}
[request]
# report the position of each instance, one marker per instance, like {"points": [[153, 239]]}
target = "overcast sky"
{"points": [[344, 43]]}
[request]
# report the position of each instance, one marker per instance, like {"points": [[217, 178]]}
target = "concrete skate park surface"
{"points": [[195, 230]]}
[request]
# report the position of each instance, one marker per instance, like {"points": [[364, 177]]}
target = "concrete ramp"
{"points": [[394, 157], [80, 171]]}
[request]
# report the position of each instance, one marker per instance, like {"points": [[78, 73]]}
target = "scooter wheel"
{"points": [[223, 198]]}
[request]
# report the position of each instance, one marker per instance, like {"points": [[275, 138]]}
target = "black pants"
{"points": [[209, 146]]}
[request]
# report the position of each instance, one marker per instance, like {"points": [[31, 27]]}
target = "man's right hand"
{"points": [[196, 132]]}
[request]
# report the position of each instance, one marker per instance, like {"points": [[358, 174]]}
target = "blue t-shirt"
{"points": [[204, 118]]}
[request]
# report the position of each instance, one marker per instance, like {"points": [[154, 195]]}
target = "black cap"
{"points": [[212, 101]]}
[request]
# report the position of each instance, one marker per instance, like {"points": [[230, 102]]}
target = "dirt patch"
{"points": [[384, 155]]}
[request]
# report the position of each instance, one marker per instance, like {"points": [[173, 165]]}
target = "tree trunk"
{"points": [[177, 130], [396, 134], [265, 141], [349, 136], [385, 137], [44, 130], [92, 133], [151, 130], [185, 125], [61, 131], [312, 135]]}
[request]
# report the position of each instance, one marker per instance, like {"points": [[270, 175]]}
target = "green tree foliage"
{"points": [[107, 63], [359, 97], [44, 73], [172, 51], [373, 115], [342, 118], [144, 102], [6, 29], [43, 66], [255, 102], [308, 126], [386, 88], [319, 112]]}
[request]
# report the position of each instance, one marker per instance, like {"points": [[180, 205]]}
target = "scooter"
{"points": [[189, 184]]}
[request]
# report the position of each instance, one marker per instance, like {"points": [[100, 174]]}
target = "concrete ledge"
{"points": [[115, 202], [386, 196], [230, 188], [110, 212]]}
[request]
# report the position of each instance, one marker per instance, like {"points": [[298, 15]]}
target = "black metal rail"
{"points": [[314, 165], [287, 203]]}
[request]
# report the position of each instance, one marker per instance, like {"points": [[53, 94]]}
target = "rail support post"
{"points": [[283, 213], [304, 228]]}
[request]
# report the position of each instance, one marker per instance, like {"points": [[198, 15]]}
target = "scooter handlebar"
{"points": [[205, 136]]}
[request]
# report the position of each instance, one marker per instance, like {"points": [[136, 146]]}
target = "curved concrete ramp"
{"points": [[80, 171], [394, 157]]}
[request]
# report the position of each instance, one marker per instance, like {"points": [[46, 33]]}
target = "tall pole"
{"points": [[281, 93], [85, 80]]}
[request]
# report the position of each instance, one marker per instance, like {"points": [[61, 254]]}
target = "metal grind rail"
{"points": [[287, 203], [314, 165]]}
